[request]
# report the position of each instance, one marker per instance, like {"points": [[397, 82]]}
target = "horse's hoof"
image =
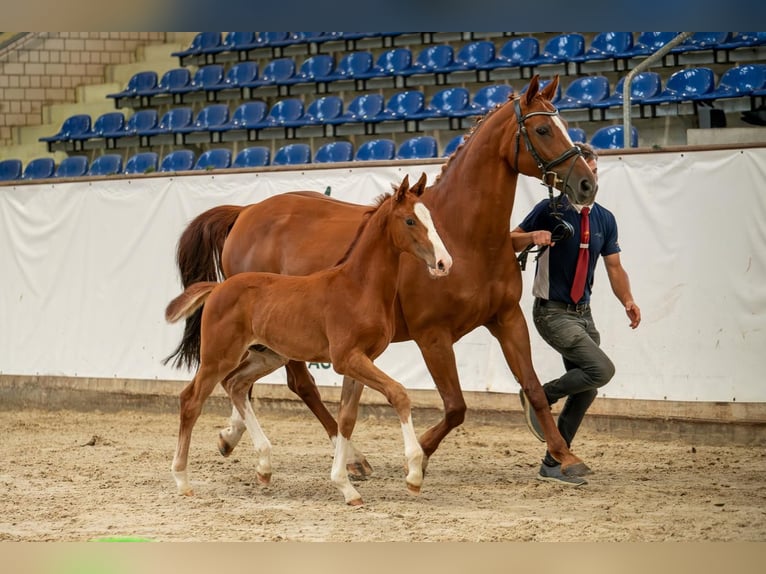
{"points": [[263, 478], [355, 503], [224, 447], [186, 492], [576, 469], [412, 489]]}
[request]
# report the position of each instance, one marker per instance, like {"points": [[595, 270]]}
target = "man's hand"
{"points": [[634, 313]]}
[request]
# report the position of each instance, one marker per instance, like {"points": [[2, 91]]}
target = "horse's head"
{"points": [[541, 146], [413, 230]]}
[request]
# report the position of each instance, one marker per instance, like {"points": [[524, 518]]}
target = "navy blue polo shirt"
{"points": [[556, 267]]}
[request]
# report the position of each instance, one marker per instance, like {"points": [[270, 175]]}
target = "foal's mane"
{"points": [[380, 200]]}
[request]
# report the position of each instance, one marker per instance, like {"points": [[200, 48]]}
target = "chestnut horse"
{"points": [[344, 315], [301, 232]]}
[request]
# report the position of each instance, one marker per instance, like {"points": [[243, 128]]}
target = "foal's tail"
{"points": [[190, 301], [199, 259]]}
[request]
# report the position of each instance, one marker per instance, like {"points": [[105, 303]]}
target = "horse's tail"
{"points": [[190, 301], [199, 259]]}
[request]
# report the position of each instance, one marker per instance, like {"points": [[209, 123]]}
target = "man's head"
{"points": [[591, 157]]}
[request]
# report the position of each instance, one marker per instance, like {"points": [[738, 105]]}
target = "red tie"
{"points": [[581, 272]]}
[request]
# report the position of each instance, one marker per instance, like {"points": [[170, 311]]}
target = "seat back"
{"points": [[653, 41], [107, 164], [450, 100], [212, 115], [577, 135], [207, 77], [74, 126], [476, 54], [588, 89], [239, 40], [174, 79], [278, 70], [143, 162], [520, 51], [435, 58], [219, 158], [334, 152], [355, 64], [273, 38], [109, 122], [316, 67], [406, 104], [176, 118], [249, 114], [204, 41], [418, 148], [611, 43], [287, 110], [565, 47], [293, 154], [256, 156], [691, 82], [178, 160], [365, 106], [744, 79], [490, 97], [39, 168], [706, 40], [72, 166], [394, 62], [644, 85], [612, 137], [452, 145], [323, 109], [142, 120], [376, 150], [142, 81], [10, 169]]}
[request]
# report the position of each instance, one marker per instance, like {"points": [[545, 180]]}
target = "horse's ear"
{"points": [[534, 85], [404, 187], [420, 185], [549, 91]]}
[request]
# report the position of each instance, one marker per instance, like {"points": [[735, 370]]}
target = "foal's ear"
{"points": [[420, 185], [549, 91], [534, 85], [404, 187]]}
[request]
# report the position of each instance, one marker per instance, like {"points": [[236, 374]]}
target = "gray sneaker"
{"points": [[554, 474], [531, 418]]}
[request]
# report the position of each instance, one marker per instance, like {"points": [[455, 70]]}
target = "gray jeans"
{"points": [[574, 335]]}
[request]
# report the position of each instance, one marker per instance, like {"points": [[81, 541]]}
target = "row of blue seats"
{"points": [[571, 47], [421, 147], [589, 92]]}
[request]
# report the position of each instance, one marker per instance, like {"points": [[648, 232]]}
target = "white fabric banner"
{"points": [[88, 268]]}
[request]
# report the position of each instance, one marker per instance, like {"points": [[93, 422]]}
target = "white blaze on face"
{"points": [[562, 127], [440, 251]]}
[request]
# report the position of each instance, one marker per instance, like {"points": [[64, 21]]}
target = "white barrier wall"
{"points": [[88, 268]]}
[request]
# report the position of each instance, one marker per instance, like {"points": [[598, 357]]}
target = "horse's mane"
{"points": [[477, 124], [380, 200]]}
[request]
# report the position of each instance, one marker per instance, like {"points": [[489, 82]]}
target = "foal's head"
{"points": [[412, 229]]}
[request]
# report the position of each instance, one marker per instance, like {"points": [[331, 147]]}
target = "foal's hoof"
{"points": [[413, 489], [263, 478], [356, 503], [577, 469], [186, 492], [224, 447]]}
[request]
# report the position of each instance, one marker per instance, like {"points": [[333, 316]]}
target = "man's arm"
{"points": [[618, 278], [522, 239]]}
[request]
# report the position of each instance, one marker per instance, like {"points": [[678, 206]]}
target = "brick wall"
{"points": [[47, 67]]}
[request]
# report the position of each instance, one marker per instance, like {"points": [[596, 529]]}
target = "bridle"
{"points": [[563, 229]]}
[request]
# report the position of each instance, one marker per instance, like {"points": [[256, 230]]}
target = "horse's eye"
{"points": [[409, 221], [542, 130]]}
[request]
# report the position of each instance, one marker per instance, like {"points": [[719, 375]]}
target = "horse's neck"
{"points": [[474, 196]]}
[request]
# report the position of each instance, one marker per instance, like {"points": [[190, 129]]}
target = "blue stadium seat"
{"points": [[240, 76], [363, 108], [219, 158], [107, 164], [437, 59], [256, 156], [404, 105], [420, 147], [584, 92], [72, 166], [174, 79], [689, 84], [238, 42], [648, 43], [287, 112], [334, 152], [142, 162], [393, 62], [314, 70], [172, 121], [109, 122], [247, 116], [293, 154], [323, 109], [140, 121], [376, 150], [178, 160], [562, 48], [479, 55], [452, 145], [489, 97], [277, 72], [71, 127], [449, 102], [10, 169], [139, 83], [702, 41], [577, 135], [274, 38], [206, 78], [518, 52], [744, 40], [609, 46], [39, 168], [644, 85], [201, 43], [208, 117], [354, 66], [612, 137], [740, 81]]}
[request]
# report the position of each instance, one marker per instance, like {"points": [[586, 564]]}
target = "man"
{"points": [[562, 312]]}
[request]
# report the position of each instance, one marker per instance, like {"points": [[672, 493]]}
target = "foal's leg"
{"points": [[254, 366], [361, 368], [356, 463]]}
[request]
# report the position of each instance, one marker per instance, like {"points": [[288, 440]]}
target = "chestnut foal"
{"points": [[344, 315]]}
